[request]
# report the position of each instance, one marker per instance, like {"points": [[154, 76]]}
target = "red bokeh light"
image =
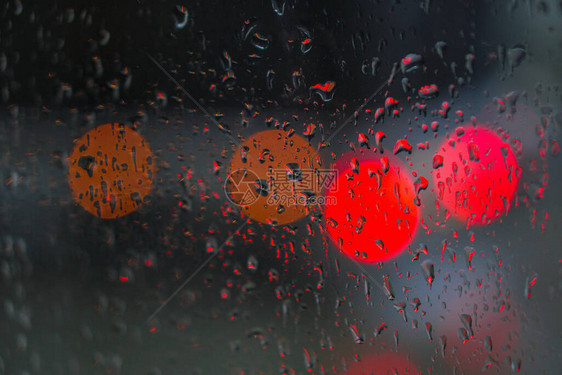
{"points": [[371, 214], [388, 363], [495, 333], [478, 177]]}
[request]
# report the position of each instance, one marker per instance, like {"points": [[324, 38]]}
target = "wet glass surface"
{"points": [[280, 187]]}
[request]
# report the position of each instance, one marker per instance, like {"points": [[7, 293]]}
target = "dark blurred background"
{"points": [[77, 290]]}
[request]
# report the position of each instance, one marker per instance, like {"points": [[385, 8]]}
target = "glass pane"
{"points": [[280, 187]]}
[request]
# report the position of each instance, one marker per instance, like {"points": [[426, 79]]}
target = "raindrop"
{"points": [[529, 283], [379, 136], [294, 172], [469, 63], [262, 187], [260, 41], [441, 48], [437, 161], [473, 151], [225, 293], [488, 343], [453, 92], [297, 79], [325, 91], [379, 114], [269, 77], [466, 320], [511, 101], [252, 263], [402, 145], [371, 66], [211, 245], [278, 7], [355, 334], [406, 85], [428, 92], [489, 362], [428, 271], [380, 329], [392, 73], [420, 184], [363, 140], [389, 104], [516, 365], [248, 28], [385, 164], [244, 153], [515, 56], [375, 66], [411, 62], [462, 334], [443, 344], [306, 42], [310, 131], [429, 331], [104, 37], [181, 16], [387, 288]]}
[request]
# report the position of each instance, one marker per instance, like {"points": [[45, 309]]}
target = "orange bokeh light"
{"points": [[273, 175], [111, 170]]}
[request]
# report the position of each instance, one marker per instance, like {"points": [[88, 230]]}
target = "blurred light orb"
{"points": [[489, 341], [370, 211], [478, 175], [111, 170], [275, 177], [387, 363]]}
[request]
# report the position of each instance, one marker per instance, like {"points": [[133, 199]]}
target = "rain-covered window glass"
{"points": [[280, 187]]}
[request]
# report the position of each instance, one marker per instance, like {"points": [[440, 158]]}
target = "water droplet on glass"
{"points": [[269, 77], [324, 91], [363, 140], [294, 172], [181, 17], [406, 85], [466, 320], [411, 62], [473, 151], [429, 331], [260, 41], [515, 56], [252, 263], [262, 187], [306, 39], [428, 92], [387, 288], [389, 104], [402, 145], [469, 63], [488, 343], [441, 48], [428, 271], [437, 161], [278, 7], [379, 114]]}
